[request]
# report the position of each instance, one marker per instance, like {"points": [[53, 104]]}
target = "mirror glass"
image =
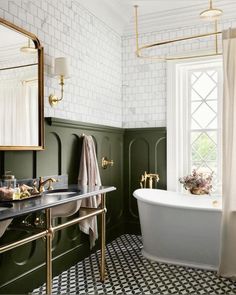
{"points": [[20, 98]]}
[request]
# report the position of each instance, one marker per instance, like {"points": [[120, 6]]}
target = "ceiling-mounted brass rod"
{"points": [[18, 67], [29, 80], [179, 40], [136, 28], [162, 58], [216, 37]]}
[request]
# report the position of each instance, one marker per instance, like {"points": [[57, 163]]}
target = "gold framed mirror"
{"points": [[21, 89]]}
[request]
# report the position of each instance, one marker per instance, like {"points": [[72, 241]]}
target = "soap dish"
{"points": [[7, 199]]}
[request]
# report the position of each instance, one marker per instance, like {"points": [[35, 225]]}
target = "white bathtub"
{"points": [[180, 228]]}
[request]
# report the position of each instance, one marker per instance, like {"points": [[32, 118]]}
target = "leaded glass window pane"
{"points": [[204, 121]]}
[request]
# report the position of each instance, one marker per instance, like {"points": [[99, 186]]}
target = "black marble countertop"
{"points": [[50, 199]]}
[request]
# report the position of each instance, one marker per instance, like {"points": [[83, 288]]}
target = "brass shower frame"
{"points": [[139, 48], [48, 234]]}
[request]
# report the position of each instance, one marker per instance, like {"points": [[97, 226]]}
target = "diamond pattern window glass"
{"points": [[204, 116]]}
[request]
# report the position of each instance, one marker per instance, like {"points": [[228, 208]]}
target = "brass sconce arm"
{"points": [[53, 99]]}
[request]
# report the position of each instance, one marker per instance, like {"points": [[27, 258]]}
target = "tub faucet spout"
{"points": [[150, 177]]}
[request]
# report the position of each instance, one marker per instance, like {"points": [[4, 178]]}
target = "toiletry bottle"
{"points": [[16, 195]]}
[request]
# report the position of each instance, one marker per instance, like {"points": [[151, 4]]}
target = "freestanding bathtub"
{"points": [[180, 228]]}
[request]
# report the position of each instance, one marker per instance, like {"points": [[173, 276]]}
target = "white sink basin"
{"points": [[63, 210]]}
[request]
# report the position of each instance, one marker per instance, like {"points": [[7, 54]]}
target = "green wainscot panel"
{"points": [[144, 150]]}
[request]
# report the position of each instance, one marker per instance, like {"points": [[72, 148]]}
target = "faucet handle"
{"points": [[41, 186], [35, 189]]}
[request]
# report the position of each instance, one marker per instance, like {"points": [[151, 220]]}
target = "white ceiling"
{"points": [[11, 38], [158, 6], [10, 53], [160, 14]]}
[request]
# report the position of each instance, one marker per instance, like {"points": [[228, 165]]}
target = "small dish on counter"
{"points": [[23, 192]]}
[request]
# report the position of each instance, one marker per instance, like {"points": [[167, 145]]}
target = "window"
{"points": [[194, 120]]}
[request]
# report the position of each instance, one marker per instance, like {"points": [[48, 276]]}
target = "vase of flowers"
{"points": [[197, 183]]}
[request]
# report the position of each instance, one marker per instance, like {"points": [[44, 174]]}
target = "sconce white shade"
{"points": [[61, 67]]}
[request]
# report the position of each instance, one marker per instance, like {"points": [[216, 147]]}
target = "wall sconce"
{"points": [[61, 69]]}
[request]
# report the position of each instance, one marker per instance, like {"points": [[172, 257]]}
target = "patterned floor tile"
{"points": [[128, 272]]}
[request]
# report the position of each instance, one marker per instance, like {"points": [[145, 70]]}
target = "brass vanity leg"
{"points": [[103, 239], [49, 252]]}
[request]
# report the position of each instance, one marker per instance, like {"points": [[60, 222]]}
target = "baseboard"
{"points": [[132, 227]]}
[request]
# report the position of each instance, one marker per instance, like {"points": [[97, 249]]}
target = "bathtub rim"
{"points": [[172, 205]]}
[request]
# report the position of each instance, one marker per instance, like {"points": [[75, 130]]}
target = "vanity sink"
{"points": [[63, 210], [61, 192]]}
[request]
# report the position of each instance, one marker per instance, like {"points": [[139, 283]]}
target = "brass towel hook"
{"points": [[107, 163]]}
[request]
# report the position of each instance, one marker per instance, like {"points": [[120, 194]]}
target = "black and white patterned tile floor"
{"points": [[128, 272]]}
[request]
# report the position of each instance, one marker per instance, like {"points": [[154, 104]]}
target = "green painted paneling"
{"points": [[133, 152], [20, 163], [144, 150], [49, 161], [22, 269]]}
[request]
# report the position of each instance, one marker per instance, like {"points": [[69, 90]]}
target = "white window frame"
{"points": [[177, 116]]}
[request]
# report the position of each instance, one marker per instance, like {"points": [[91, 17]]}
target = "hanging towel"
{"points": [[89, 175]]}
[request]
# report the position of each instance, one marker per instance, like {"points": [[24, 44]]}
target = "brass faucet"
{"points": [[43, 182], [150, 177]]}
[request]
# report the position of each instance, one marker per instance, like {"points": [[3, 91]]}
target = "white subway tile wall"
{"points": [[144, 81], [93, 93], [108, 84]]}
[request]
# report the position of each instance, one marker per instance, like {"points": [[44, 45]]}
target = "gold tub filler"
{"points": [[148, 177]]}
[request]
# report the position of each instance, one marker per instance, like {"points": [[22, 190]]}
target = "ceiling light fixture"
{"points": [[28, 48], [210, 14]]}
